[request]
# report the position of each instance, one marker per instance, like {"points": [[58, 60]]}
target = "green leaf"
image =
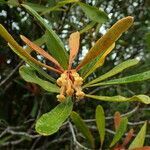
{"points": [[107, 40], [58, 6], [100, 121], [94, 13], [120, 131], [82, 127], [29, 75], [64, 2], [140, 138], [50, 122], [3, 2], [34, 65], [147, 40], [35, 109], [13, 2], [129, 79], [117, 69], [55, 45], [141, 98], [5, 139], [87, 27], [36, 7]]}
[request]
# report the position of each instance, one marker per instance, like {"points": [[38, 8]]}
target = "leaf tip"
{"points": [[129, 19], [21, 36]]}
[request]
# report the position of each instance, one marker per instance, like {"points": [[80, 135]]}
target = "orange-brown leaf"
{"points": [[117, 120], [33, 60], [40, 51], [142, 148], [74, 42], [128, 137], [107, 40]]}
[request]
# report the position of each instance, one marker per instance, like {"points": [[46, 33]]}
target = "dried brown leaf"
{"points": [[117, 120], [128, 137]]}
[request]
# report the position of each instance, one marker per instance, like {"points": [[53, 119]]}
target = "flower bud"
{"points": [[78, 81], [80, 94], [61, 97], [59, 82], [70, 92]]}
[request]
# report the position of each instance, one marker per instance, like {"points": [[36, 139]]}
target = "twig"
{"points": [[137, 123], [9, 130], [97, 89], [46, 145], [113, 132], [74, 138], [40, 107], [12, 142], [11, 74], [112, 117], [34, 144], [3, 133], [22, 134]]}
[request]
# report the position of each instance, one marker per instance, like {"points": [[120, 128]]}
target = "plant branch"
{"points": [[12, 73], [74, 138]]}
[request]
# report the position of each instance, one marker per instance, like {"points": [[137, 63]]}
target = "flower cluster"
{"points": [[70, 84]]}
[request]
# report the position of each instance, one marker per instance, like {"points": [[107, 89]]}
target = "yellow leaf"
{"points": [[107, 40]]}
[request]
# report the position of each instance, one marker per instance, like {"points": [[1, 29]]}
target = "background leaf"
{"points": [[147, 40], [94, 13], [58, 6], [100, 122], [29, 75], [120, 131], [36, 7], [140, 138], [87, 27], [82, 127], [141, 98], [50, 122]]}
